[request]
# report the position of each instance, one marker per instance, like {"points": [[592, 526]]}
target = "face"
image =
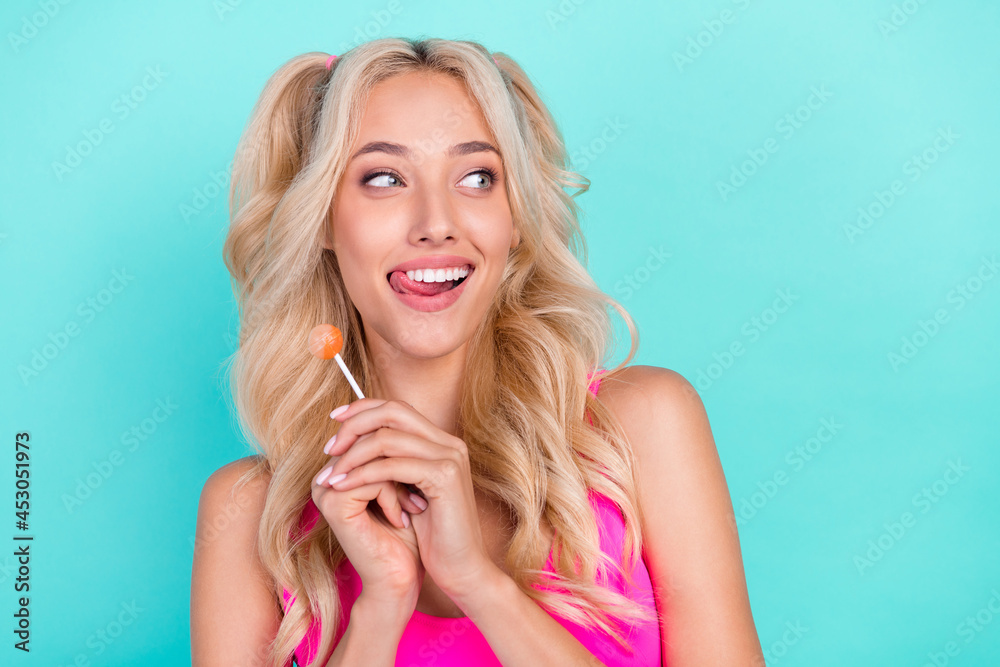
{"points": [[423, 195]]}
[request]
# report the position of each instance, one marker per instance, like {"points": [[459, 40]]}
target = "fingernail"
{"points": [[339, 411], [329, 444], [418, 501], [336, 478], [323, 475], [406, 519]]}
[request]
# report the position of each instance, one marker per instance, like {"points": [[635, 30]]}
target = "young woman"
{"points": [[503, 499]]}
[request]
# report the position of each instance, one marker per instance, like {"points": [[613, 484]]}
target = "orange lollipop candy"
{"points": [[325, 342]]}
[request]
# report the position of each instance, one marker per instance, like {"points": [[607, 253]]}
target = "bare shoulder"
{"points": [[666, 424], [234, 608], [229, 512], [639, 377], [650, 398], [223, 490], [690, 538]]}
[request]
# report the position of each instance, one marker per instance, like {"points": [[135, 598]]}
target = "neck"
{"points": [[432, 386]]}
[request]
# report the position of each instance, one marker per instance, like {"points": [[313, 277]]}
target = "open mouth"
{"points": [[418, 285]]}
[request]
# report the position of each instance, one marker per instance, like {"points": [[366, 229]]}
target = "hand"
{"points": [[383, 551], [384, 441]]}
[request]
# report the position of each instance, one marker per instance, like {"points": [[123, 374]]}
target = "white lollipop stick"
{"points": [[347, 374]]}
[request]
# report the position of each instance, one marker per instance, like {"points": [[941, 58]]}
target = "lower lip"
{"points": [[431, 304]]}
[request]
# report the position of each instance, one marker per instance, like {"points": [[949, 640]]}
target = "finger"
{"points": [[387, 494], [342, 412], [391, 414], [321, 489], [388, 500], [386, 442], [406, 499], [326, 472], [431, 477]]}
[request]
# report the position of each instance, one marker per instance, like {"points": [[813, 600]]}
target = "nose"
{"points": [[434, 219]]}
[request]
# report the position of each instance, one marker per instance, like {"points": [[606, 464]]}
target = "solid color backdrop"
{"points": [[796, 201]]}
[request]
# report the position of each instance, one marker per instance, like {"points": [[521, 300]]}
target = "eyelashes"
{"points": [[378, 172], [489, 171]]}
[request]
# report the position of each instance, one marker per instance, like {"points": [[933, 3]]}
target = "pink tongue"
{"points": [[404, 285]]}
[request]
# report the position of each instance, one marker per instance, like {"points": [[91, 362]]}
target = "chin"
{"points": [[434, 347]]}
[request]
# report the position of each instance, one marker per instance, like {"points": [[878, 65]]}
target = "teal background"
{"points": [[656, 135]]}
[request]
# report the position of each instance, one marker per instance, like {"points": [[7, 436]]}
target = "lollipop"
{"points": [[325, 342]]}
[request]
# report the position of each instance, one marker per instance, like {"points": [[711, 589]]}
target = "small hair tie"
{"points": [[329, 61], [495, 61]]}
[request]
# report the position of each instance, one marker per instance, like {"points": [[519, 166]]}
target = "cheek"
{"points": [[502, 235], [351, 257], [362, 251]]}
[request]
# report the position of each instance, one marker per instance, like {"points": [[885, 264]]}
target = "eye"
{"points": [[389, 176], [489, 173]]}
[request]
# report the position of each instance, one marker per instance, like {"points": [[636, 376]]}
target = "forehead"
{"points": [[420, 105]]}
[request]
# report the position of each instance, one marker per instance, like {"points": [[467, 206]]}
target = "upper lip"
{"points": [[432, 262]]}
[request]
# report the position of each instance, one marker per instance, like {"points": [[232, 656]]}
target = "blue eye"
{"points": [[394, 180], [383, 172], [490, 173]]}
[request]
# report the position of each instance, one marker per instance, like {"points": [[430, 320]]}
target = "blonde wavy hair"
{"points": [[525, 394]]}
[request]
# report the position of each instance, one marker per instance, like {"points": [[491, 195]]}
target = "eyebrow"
{"points": [[466, 148]]}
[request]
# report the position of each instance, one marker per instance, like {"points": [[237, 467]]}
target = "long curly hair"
{"points": [[525, 394]]}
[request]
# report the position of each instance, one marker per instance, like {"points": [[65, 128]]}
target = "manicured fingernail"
{"points": [[329, 444], [336, 478], [339, 411], [406, 519], [418, 501], [323, 475]]}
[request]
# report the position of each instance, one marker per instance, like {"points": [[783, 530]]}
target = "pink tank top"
{"points": [[452, 642]]}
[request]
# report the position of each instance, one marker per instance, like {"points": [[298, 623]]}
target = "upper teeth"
{"points": [[438, 275]]}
